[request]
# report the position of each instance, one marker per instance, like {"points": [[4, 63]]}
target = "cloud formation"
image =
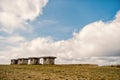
{"points": [[97, 42], [14, 14]]}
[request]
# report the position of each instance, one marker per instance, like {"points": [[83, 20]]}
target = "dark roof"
{"points": [[22, 58], [48, 57], [33, 57]]}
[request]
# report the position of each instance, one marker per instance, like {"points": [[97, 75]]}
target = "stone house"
{"points": [[22, 60], [14, 61], [34, 60], [48, 60]]}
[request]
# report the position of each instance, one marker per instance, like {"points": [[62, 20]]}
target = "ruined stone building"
{"points": [[14, 61], [22, 60], [34, 60], [48, 60]]}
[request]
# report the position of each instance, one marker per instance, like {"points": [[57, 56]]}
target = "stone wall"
{"points": [[34, 60], [14, 61], [48, 61], [22, 61]]}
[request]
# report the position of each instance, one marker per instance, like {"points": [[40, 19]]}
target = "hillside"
{"points": [[58, 72]]}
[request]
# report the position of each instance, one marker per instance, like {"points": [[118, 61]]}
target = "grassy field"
{"points": [[58, 72]]}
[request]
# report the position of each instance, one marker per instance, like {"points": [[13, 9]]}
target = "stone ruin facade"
{"points": [[48, 60], [14, 61], [22, 61], [34, 60]]}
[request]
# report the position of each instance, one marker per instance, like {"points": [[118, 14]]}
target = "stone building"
{"points": [[34, 60], [48, 60], [14, 61], [22, 60]]}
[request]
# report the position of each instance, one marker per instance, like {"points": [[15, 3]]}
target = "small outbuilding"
{"points": [[22, 60], [48, 60], [14, 61], [34, 60]]}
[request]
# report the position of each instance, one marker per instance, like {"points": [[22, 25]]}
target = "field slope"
{"points": [[58, 72]]}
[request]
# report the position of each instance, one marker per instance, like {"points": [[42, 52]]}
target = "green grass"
{"points": [[58, 72]]}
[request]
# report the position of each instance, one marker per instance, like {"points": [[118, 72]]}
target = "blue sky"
{"points": [[62, 17]]}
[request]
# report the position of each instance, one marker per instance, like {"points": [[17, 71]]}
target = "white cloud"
{"points": [[12, 39], [98, 42], [15, 13], [8, 41]]}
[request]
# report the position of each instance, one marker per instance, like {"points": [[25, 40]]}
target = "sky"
{"points": [[75, 31]]}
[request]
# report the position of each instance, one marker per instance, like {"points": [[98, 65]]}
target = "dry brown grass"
{"points": [[58, 72]]}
